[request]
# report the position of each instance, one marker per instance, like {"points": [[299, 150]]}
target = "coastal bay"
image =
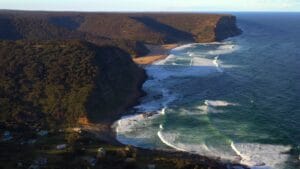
{"points": [[70, 114]]}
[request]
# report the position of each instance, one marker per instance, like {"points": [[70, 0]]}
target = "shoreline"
{"points": [[106, 132], [103, 130], [157, 52]]}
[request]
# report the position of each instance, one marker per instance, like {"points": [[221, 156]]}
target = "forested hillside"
{"points": [[129, 31], [63, 80], [64, 65]]}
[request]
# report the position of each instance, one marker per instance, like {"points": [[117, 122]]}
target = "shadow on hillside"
{"points": [[70, 23], [172, 34], [8, 30]]}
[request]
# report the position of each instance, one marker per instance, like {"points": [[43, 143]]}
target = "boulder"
{"points": [[101, 152], [77, 129]]}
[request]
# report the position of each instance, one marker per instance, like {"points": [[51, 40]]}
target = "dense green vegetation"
{"points": [[62, 81], [129, 31], [82, 153]]}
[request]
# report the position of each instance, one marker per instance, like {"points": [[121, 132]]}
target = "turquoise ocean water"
{"points": [[236, 99]]}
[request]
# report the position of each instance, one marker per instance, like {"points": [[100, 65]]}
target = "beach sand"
{"points": [[157, 52]]}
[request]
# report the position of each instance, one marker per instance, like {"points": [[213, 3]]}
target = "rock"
{"points": [[61, 146], [43, 133], [260, 164], [130, 151], [151, 166], [77, 129], [101, 152]]}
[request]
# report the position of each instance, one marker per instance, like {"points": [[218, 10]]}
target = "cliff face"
{"points": [[58, 82], [129, 31], [226, 27]]}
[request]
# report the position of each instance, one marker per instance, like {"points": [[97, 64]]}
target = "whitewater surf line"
{"points": [[164, 75], [215, 61]]}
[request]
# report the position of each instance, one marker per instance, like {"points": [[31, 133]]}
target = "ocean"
{"points": [[238, 99]]}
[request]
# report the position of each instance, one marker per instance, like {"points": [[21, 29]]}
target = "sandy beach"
{"points": [[157, 52]]}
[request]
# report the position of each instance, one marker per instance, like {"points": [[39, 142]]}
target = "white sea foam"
{"points": [[217, 64], [182, 47], [136, 129], [223, 49], [163, 111], [197, 67], [163, 76], [218, 103], [160, 71], [262, 156], [210, 106], [167, 142], [191, 45], [171, 139]]}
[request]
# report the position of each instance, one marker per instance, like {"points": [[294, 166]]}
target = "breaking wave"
{"points": [[262, 156], [166, 87]]}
